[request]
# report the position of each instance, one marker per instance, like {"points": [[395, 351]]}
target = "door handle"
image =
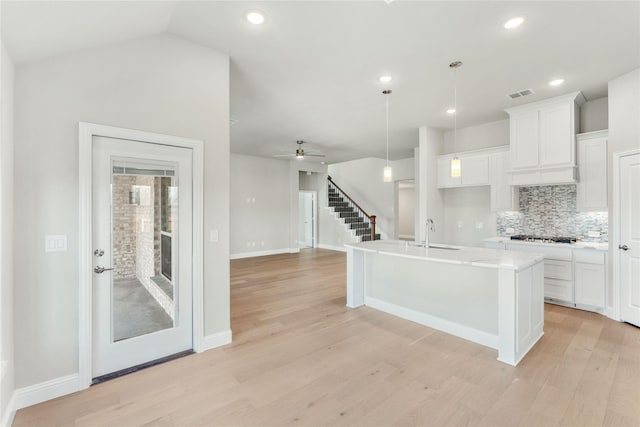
{"points": [[623, 247], [100, 269]]}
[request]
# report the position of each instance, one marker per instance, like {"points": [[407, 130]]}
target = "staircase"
{"points": [[353, 216]]}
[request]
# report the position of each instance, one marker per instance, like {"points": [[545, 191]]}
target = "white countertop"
{"points": [[478, 257], [576, 245]]}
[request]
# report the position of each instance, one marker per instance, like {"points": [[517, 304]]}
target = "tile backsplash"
{"points": [[551, 211]]}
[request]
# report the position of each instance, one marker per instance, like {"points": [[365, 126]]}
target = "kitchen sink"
{"points": [[449, 248]]}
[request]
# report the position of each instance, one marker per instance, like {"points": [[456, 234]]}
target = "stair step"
{"points": [[363, 231], [354, 219], [338, 204], [350, 214], [359, 225], [344, 210]]}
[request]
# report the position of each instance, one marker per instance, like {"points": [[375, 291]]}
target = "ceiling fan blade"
{"points": [[314, 155], [284, 155]]}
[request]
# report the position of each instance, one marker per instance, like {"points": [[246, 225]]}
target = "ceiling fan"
{"points": [[300, 154]]}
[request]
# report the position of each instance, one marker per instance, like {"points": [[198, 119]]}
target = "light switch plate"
{"points": [[56, 243], [213, 235]]}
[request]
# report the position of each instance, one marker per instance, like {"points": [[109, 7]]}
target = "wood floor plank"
{"points": [[300, 357]]}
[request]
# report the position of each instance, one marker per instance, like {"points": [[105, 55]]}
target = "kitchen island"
{"points": [[491, 297]]}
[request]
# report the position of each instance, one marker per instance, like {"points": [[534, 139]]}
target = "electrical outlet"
{"points": [[459, 224]]}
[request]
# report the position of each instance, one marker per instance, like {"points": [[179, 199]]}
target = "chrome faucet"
{"points": [[430, 227]]}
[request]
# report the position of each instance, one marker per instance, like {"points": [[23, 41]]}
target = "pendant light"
{"points": [[456, 169], [388, 173]]}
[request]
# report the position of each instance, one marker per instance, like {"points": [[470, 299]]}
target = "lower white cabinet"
{"points": [[590, 278], [575, 277]]}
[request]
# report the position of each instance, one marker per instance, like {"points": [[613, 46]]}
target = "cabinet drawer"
{"points": [[554, 269], [549, 252], [589, 256], [561, 290]]}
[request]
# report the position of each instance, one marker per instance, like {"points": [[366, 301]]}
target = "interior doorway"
{"points": [[626, 190], [405, 209], [306, 219]]}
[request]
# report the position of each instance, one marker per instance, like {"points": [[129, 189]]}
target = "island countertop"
{"points": [[461, 255]]}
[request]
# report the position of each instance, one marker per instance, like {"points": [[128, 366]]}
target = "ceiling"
{"points": [[311, 70]]}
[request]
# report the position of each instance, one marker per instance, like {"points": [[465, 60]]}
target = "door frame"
{"points": [[314, 211], [86, 132], [615, 217]]}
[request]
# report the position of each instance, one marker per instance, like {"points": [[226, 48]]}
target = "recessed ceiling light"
{"points": [[514, 22], [556, 82], [255, 18], [385, 79], [451, 110]]}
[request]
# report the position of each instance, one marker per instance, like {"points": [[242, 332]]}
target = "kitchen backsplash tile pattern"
{"points": [[551, 211]]}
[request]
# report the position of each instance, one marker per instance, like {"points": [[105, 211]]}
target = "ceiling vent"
{"points": [[520, 93]]}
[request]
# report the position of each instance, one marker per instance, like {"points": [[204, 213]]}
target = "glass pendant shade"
{"points": [[388, 174], [456, 170]]}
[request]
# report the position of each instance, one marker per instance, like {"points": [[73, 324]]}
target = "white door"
{"points": [[306, 218], [629, 243], [142, 242]]}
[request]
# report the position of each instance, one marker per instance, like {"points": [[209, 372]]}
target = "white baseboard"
{"points": [[264, 253], [9, 412], [37, 393], [332, 247], [471, 334], [216, 340]]}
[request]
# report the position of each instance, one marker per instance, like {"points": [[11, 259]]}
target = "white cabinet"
{"points": [[474, 169], [542, 140], [445, 180], [504, 197], [590, 278], [592, 171], [558, 271]]}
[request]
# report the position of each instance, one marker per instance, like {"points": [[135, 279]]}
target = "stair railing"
{"points": [[371, 219]]}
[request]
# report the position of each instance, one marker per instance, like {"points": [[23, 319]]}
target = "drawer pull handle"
{"points": [[623, 247]]}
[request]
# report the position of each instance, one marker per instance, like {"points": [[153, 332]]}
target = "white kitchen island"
{"points": [[491, 297]]}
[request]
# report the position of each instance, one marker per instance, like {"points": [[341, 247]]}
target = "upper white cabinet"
{"points": [[592, 171], [542, 140], [474, 167], [504, 197]]}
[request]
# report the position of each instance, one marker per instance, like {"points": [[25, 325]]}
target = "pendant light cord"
{"points": [[455, 107], [387, 112]]}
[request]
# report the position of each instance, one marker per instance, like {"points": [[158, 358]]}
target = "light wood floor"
{"points": [[300, 357]]}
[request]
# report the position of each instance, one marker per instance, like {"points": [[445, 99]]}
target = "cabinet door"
{"points": [[523, 128], [475, 170], [589, 284], [592, 172], [557, 144], [444, 173], [504, 197]]}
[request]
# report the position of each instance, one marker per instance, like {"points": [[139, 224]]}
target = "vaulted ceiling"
{"points": [[311, 70]]}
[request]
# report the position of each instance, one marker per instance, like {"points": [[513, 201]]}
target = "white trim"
{"points": [[407, 236], [9, 412], [86, 132], [216, 340], [263, 253], [332, 247], [604, 133], [47, 390], [614, 219], [468, 333]]}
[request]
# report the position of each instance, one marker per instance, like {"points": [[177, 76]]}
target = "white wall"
{"points": [[486, 135], [624, 135], [466, 209], [406, 211], [259, 203], [594, 115], [362, 180], [7, 368], [160, 84]]}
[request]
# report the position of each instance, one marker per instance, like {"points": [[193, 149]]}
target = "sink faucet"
{"points": [[430, 227]]}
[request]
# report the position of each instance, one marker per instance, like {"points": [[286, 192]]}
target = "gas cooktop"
{"points": [[543, 239]]}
